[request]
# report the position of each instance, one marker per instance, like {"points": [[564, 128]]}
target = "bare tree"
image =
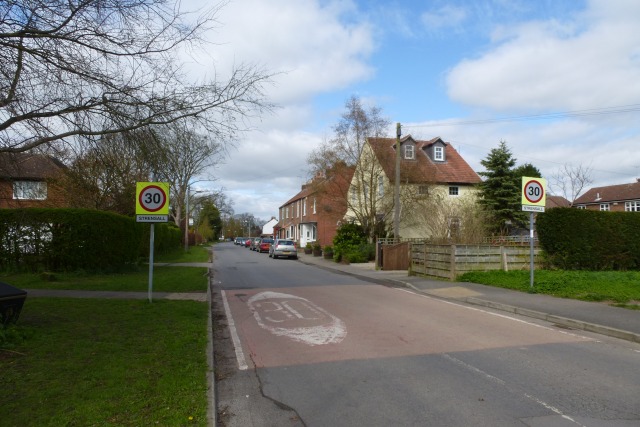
{"points": [[341, 153], [570, 181], [103, 175], [178, 154], [82, 68]]}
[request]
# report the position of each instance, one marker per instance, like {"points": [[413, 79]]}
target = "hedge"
{"points": [[580, 239], [75, 239]]}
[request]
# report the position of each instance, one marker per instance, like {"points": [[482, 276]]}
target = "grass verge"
{"points": [[619, 287], [165, 279], [89, 362], [193, 254]]}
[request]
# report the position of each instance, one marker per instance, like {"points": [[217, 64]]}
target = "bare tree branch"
{"points": [[85, 68]]}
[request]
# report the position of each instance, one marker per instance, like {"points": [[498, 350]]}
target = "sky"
{"points": [[557, 80]]}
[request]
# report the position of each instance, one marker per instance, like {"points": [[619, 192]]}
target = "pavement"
{"points": [[596, 317]]}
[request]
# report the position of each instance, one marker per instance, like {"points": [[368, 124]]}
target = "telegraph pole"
{"points": [[396, 212]]}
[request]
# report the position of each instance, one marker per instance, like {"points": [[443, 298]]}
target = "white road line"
{"points": [[504, 383], [242, 364], [504, 316]]}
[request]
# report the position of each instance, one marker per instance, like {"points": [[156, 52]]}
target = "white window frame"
{"points": [[438, 153], [409, 151], [581, 207], [423, 190], [30, 190], [605, 207], [380, 186], [314, 205], [304, 207], [633, 206], [454, 191], [366, 193]]}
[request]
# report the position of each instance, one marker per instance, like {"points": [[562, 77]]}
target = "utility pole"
{"points": [[396, 193]]}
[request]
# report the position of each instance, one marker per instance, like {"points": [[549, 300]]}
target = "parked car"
{"points": [[239, 241], [247, 242], [265, 244], [283, 247], [254, 243]]}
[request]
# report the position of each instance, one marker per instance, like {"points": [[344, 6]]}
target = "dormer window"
{"points": [[409, 151], [438, 153]]}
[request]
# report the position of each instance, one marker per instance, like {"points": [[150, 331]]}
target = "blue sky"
{"points": [[437, 67]]}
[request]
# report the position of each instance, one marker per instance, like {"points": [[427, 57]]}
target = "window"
{"points": [[423, 190], [314, 205], [366, 193], [298, 208], [304, 207], [30, 190], [287, 212], [409, 151], [380, 186], [438, 153], [582, 207], [454, 191], [605, 207], [632, 206]]}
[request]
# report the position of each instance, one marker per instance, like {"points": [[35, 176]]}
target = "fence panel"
{"points": [[449, 261]]}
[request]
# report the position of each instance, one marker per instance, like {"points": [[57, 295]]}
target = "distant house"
{"points": [[268, 227], [620, 198], [314, 214], [29, 180], [557, 202], [435, 182]]}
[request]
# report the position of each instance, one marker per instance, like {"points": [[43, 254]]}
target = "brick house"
{"points": [[616, 198], [314, 214], [29, 180]]}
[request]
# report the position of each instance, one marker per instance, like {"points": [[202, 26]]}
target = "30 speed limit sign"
{"points": [[152, 198], [533, 192]]}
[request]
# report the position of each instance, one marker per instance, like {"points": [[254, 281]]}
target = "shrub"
{"points": [[348, 244], [75, 239], [590, 240]]}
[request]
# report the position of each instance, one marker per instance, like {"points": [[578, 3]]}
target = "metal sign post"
{"points": [[533, 200], [152, 205]]}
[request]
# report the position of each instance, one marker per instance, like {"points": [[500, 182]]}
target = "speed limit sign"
{"points": [[533, 193], [152, 199]]}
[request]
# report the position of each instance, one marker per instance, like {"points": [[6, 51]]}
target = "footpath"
{"points": [[573, 314]]}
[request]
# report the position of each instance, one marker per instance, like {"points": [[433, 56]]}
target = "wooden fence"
{"points": [[449, 261]]}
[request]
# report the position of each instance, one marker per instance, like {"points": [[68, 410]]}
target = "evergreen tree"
{"points": [[500, 191]]}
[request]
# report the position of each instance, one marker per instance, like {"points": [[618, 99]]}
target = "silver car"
{"points": [[283, 247]]}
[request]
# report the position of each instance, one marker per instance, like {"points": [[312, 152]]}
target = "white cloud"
{"points": [[314, 45], [591, 62]]}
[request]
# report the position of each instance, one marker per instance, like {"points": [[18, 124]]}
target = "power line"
{"points": [[558, 115]]}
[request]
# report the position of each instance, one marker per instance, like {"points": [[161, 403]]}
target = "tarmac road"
{"points": [[336, 348]]}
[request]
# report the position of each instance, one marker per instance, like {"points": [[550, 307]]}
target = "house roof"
{"points": [[422, 169], [611, 193], [557, 202], [341, 175], [28, 166]]}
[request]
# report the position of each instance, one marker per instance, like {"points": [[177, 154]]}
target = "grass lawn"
{"points": [[619, 287], [101, 362], [90, 362]]}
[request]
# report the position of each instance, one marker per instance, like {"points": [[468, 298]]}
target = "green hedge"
{"points": [[583, 239], [75, 239]]}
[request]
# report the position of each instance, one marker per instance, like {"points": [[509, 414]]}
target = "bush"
{"points": [[580, 239], [349, 243], [75, 239]]}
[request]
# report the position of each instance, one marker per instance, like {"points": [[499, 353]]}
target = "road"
{"points": [[317, 348]]}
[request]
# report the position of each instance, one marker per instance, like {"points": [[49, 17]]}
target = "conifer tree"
{"points": [[500, 192]]}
